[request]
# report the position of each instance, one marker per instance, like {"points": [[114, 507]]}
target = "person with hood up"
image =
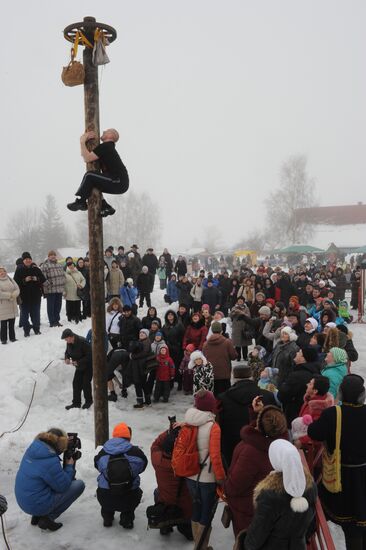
{"points": [[144, 283], [172, 290], [310, 328], [242, 332], [203, 377], [129, 294], [335, 368], [202, 486], [115, 280], [219, 351], [291, 391], [236, 407], [196, 332], [284, 354], [136, 372], [347, 508], [250, 463], [180, 266], [9, 292], [284, 503], [164, 374], [44, 488], [120, 464], [152, 315]]}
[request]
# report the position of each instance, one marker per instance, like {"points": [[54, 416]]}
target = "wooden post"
{"points": [[96, 250]]}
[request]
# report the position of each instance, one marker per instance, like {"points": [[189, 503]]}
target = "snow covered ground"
{"points": [[21, 363]]}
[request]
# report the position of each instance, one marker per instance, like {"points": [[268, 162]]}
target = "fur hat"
{"points": [[216, 327], [292, 334], [339, 355], [56, 438], [194, 356], [129, 280], [242, 371], [264, 310], [310, 354], [205, 401], [122, 430], [271, 421]]}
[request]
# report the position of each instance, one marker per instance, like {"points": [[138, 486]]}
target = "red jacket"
{"points": [[250, 464], [168, 485], [315, 407], [166, 369], [195, 334]]}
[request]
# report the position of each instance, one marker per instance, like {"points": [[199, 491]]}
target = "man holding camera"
{"points": [[79, 353], [43, 487]]}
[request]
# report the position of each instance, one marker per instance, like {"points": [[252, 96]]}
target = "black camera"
{"points": [[73, 444]]}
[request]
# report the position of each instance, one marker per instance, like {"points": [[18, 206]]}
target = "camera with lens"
{"points": [[73, 446]]}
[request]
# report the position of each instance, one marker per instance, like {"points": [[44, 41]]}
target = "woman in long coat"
{"points": [[241, 332], [9, 292]]}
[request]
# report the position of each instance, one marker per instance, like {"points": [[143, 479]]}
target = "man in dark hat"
{"points": [[79, 353], [114, 177], [150, 260], [30, 280]]}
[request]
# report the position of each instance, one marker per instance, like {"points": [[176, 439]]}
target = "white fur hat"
{"points": [[292, 334], [194, 356]]}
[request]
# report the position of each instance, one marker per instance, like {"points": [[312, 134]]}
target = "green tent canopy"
{"points": [[301, 249], [361, 250]]}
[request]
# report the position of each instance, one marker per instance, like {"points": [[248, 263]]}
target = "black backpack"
{"points": [[119, 474]]}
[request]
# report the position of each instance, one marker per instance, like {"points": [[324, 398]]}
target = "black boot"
{"points": [[35, 520], [112, 396], [79, 204], [107, 209], [47, 523], [124, 392], [126, 520], [72, 406], [87, 405]]}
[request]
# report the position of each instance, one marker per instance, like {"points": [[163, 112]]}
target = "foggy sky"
{"points": [[209, 96]]}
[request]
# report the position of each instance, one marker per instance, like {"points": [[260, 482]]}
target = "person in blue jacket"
{"points": [[172, 291], [129, 294], [43, 488], [111, 494]]}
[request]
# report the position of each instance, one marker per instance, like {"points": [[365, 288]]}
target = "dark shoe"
{"points": [[4, 342], [47, 523], [126, 520], [147, 401], [35, 520], [87, 405], [108, 210], [124, 393], [79, 204], [58, 324], [166, 530], [37, 332], [107, 522], [13, 340], [72, 406], [112, 396], [138, 406], [26, 334]]}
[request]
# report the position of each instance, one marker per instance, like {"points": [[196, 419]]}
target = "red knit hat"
{"points": [[190, 348], [122, 431], [205, 401], [271, 301]]}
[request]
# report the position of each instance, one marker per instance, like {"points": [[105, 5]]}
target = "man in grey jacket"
{"points": [[53, 287]]}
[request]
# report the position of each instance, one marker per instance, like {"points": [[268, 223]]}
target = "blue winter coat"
{"points": [[40, 477], [335, 373], [135, 457], [172, 291], [128, 295]]}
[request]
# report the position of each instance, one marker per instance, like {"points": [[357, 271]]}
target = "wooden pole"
{"points": [[96, 250]]}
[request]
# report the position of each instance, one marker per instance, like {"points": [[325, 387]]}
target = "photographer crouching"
{"points": [[44, 486]]}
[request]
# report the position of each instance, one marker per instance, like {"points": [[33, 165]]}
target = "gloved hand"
{"points": [[3, 505]]}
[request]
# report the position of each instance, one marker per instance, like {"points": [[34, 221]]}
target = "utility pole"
{"points": [[95, 223]]}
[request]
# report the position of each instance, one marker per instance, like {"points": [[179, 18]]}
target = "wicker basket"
{"points": [[73, 74]]}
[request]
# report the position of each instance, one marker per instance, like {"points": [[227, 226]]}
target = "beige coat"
{"points": [[115, 281], [9, 291], [73, 278]]}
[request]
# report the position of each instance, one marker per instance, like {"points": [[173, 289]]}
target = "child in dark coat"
{"points": [[186, 373], [164, 374]]}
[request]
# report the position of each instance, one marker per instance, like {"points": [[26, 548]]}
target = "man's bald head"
{"points": [[110, 135]]}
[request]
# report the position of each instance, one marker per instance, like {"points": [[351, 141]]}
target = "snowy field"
{"points": [[22, 363]]}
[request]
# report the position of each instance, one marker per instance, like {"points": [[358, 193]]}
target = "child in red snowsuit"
{"points": [[164, 374]]}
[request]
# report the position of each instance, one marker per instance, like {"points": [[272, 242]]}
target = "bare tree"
{"points": [[255, 240], [212, 236], [296, 190], [24, 230]]}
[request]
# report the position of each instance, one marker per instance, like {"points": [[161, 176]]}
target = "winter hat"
{"points": [[161, 346], [66, 333], [130, 255], [310, 354], [271, 302], [145, 269], [190, 348], [331, 325], [339, 355], [205, 306], [271, 421], [216, 327], [129, 281], [313, 322], [343, 328], [292, 334], [242, 371], [261, 351], [260, 294], [194, 356], [352, 389], [299, 426], [321, 283], [264, 310], [285, 458], [158, 333], [145, 331], [122, 430], [26, 256], [205, 401]]}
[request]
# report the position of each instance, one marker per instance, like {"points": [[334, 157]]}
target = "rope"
{"points": [[22, 421]]}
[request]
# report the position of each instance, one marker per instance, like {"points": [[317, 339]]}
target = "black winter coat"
{"points": [[30, 291], [180, 267], [212, 297], [184, 290], [136, 369], [129, 328], [282, 359], [234, 414], [80, 351], [144, 282], [291, 392], [275, 525], [173, 336], [151, 261]]}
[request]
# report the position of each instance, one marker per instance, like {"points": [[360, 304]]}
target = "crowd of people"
{"points": [[288, 331]]}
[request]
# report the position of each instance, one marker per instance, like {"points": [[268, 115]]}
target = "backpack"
{"points": [[119, 474], [186, 458]]}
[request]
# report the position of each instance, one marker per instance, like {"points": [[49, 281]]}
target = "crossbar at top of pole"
{"points": [[95, 227]]}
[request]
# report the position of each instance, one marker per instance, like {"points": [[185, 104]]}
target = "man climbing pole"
{"points": [[114, 177]]}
